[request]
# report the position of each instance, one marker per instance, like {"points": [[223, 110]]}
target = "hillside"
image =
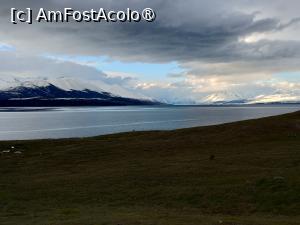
{"points": [[244, 173], [43, 92]]}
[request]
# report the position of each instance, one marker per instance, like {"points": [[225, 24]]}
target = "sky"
{"points": [[194, 48]]}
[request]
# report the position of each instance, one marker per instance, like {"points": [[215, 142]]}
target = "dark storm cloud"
{"points": [[184, 31]]}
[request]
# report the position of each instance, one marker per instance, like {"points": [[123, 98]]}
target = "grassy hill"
{"points": [[244, 173]]}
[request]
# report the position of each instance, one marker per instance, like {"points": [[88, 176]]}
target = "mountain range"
{"points": [[231, 97], [66, 92]]}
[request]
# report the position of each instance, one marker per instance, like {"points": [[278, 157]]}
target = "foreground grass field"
{"points": [[244, 173]]}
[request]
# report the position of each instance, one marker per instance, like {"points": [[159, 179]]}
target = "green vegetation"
{"points": [[244, 173]]}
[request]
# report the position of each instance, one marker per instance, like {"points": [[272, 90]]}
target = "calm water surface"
{"points": [[39, 123]]}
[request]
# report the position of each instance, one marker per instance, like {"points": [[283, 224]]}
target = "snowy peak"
{"points": [[227, 97], [280, 98], [70, 84], [224, 96], [66, 92]]}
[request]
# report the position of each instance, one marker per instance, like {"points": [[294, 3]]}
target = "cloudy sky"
{"points": [[193, 49]]}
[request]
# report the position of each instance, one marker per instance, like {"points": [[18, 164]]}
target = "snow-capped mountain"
{"points": [[68, 84], [66, 92], [228, 97], [224, 97], [276, 98]]}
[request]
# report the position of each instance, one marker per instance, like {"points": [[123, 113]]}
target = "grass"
{"points": [[244, 173]]}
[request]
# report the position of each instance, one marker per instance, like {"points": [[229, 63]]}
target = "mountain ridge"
{"points": [[66, 92], [227, 97]]}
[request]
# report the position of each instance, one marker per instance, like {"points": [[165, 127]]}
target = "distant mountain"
{"points": [[224, 97], [229, 97], [66, 92], [278, 97]]}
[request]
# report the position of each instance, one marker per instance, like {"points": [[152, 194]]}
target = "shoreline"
{"points": [[148, 131], [239, 173]]}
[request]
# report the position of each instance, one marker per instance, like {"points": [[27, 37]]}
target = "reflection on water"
{"points": [[25, 109], [36, 123]]}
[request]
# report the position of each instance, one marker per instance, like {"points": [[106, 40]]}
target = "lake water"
{"points": [[40, 123]]}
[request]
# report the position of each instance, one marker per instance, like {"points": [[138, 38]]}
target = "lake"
{"points": [[40, 123]]}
